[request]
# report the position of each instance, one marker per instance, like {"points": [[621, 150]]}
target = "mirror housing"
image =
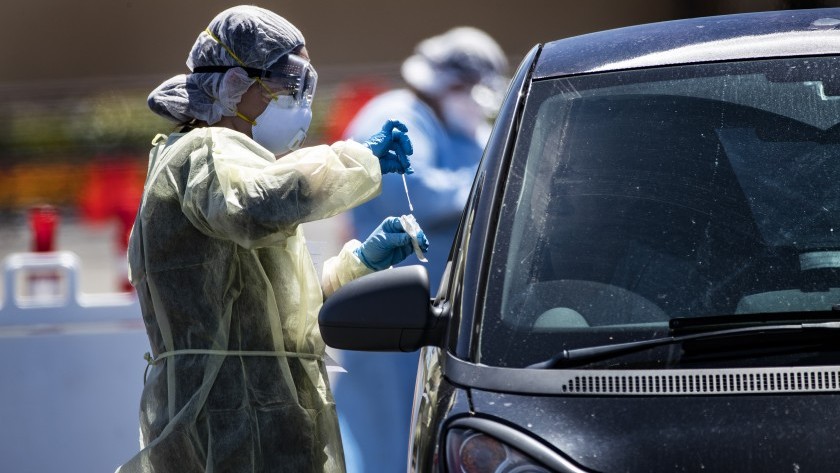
{"points": [[389, 310]]}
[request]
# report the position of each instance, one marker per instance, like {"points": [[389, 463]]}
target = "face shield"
{"points": [[292, 76], [485, 85]]}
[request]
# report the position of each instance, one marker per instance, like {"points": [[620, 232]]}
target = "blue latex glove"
{"points": [[388, 245], [393, 147]]}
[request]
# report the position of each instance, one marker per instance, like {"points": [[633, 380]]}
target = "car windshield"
{"points": [[635, 197]]}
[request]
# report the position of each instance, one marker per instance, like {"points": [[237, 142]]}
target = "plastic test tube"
{"points": [[409, 223]]}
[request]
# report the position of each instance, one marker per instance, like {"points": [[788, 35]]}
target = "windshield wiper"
{"points": [[576, 356], [684, 325]]}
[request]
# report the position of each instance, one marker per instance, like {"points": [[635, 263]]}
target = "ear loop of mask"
{"points": [[271, 94], [242, 116], [241, 63]]}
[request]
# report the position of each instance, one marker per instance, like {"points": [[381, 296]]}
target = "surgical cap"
{"points": [[240, 36], [463, 55]]}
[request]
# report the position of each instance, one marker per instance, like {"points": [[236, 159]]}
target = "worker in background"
{"points": [[454, 86], [227, 288]]}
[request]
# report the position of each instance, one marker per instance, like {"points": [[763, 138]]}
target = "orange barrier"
{"points": [[100, 189], [24, 185]]}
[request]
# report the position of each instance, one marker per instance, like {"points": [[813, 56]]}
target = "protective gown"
{"points": [[230, 299]]}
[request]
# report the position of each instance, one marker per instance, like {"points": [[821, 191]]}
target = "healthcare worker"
{"points": [[228, 291], [455, 83]]}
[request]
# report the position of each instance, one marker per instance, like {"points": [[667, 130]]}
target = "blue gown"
{"points": [[374, 398]]}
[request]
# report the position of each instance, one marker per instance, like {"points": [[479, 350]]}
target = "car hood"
{"points": [[678, 433]]}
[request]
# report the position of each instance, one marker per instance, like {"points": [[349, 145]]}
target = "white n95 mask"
{"points": [[282, 127], [460, 112]]}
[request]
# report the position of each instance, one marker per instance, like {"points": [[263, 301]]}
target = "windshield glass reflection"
{"points": [[637, 197]]}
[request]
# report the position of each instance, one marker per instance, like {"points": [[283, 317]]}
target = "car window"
{"points": [[639, 196]]}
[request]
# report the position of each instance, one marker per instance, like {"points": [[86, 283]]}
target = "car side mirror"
{"points": [[389, 310]]}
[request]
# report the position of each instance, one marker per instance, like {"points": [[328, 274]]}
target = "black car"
{"points": [[647, 273]]}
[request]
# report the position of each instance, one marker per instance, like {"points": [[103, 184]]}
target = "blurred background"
{"points": [[75, 129], [75, 134]]}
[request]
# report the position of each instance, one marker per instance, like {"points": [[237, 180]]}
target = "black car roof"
{"points": [[706, 39]]}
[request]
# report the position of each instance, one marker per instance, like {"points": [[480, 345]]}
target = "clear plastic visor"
{"points": [[291, 76]]}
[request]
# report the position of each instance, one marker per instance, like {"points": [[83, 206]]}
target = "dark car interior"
{"points": [[657, 209]]}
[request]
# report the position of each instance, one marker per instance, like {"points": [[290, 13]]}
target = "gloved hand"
{"points": [[388, 245], [392, 147]]}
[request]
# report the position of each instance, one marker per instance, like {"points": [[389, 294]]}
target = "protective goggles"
{"points": [[291, 76]]}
